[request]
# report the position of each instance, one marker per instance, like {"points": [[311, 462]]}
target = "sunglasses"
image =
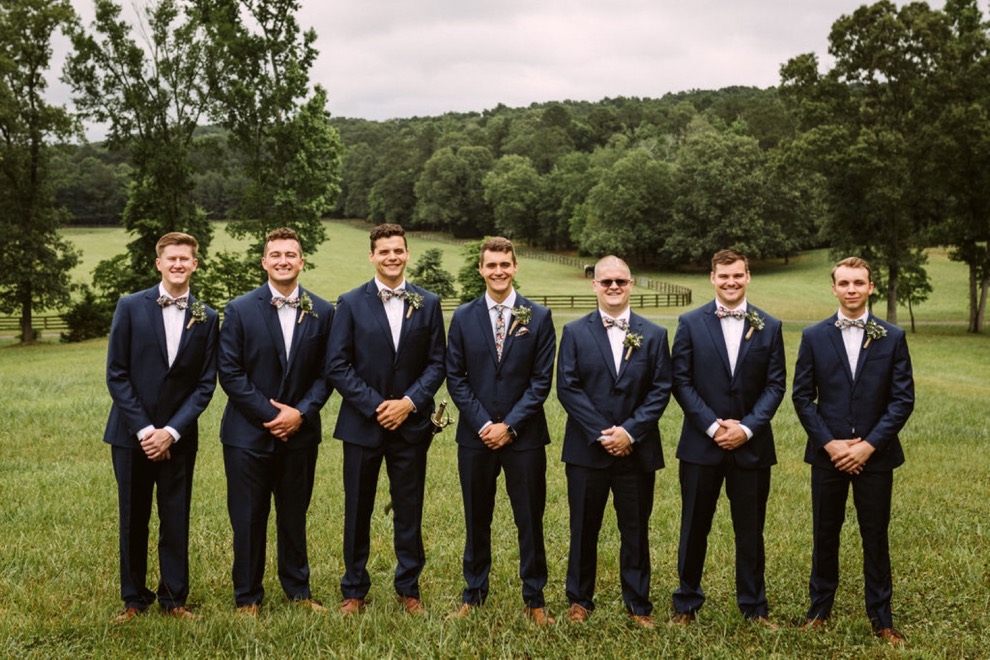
{"points": [[608, 283]]}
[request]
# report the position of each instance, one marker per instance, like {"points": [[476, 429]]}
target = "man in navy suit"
{"points": [[853, 392], [161, 373], [613, 379], [386, 360], [273, 345], [499, 371], [729, 378]]}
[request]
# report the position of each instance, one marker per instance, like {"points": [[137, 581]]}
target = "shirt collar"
{"points": [[163, 292], [510, 301], [741, 305], [862, 318], [276, 294], [382, 287], [623, 316]]}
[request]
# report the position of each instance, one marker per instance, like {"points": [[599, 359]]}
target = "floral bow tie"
{"points": [[722, 313], [842, 324], [388, 294], [181, 302], [609, 322], [278, 302]]}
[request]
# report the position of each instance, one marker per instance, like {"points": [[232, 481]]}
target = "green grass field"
{"points": [[58, 514]]}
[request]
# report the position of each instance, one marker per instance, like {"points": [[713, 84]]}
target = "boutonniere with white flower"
{"points": [[873, 331], [415, 302], [197, 314], [632, 342], [756, 322], [523, 315], [306, 307]]}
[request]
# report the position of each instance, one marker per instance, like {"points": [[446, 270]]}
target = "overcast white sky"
{"points": [[382, 59]]}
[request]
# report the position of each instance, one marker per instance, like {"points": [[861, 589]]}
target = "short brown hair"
{"points": [[853, 262], [176, 238], [728, 256], [496, 244], [387, 230], [282, 234]]}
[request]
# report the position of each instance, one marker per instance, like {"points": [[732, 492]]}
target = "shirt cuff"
{"points": [[145, 431], [406, 397], [485, 426], [632, 440], [175, 434], [747, 431], [711, 430]]}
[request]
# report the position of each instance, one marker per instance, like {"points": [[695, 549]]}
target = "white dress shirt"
{"points": [[393, 310], [173, 318], [852, 337], [616, 339], [286, 317], [732, 333]]}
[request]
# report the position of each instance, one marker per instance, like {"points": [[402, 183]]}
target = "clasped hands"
{"points": [[615, 441], [850, 455], [729, 435], [391, 413], [286, 422], [156, 444]]}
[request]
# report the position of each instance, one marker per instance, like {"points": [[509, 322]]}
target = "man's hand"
{"points": [[616, 441], [285, 423], [393, 412], [850, 455], [729, 434], [156, 444], [496, 436]]}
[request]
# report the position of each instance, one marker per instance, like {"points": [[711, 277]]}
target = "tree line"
{"points": [[883, 154]]}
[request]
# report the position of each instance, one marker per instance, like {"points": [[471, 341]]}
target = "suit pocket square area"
{"points": [[522, 332]]}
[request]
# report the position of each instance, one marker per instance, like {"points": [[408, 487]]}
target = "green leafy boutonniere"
{"points": [[632, 342], [415, 302], [197, 314], [306, 307], [523, 315], [756, 322], [874, 331]]}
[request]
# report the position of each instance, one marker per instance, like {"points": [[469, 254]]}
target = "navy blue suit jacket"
{"points": [[874, 405], [366, 368], [596, 398], [253, 369], [144, 389], [706, 389], [511, 391]]}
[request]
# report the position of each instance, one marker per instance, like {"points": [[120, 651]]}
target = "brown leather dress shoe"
{"points": [[892, 636], [764, 622], [642, 620], [577, 613], [538, 615], [682, 618], [412, 604], [464, 610], [814, 624], [128, 614], [310, 604], [182, 612], [352, 606], [253, 610]]}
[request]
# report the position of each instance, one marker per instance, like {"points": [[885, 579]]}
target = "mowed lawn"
{"points": [[58, 513]]}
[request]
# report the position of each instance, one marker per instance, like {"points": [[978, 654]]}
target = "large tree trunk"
{"points": [[981, 313], [27, 333], [892, 295], [974, 311]]}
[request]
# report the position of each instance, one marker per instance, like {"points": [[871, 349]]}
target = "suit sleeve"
{"points": [[421, 392], [571, 393], [901, 401], [234, 379], [320, 389], [541, 378], [119, 371], [695, 408], [458, 385], [194, 405], [804, 394], [758, 419], [340, 364], [647, 414]]}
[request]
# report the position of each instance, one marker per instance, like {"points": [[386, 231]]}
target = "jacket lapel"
{"points": [[156, 320], [267, 311], [714, 325], [635, 326], [186, 332], [482, 317], [376, 308], [835, 336], [600, 335], [407, 319]]}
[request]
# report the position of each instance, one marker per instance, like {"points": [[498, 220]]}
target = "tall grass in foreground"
{"points": [[58, 540]]}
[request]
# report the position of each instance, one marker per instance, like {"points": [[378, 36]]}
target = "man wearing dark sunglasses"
{"points": [[613, 380], [729, 378]]}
